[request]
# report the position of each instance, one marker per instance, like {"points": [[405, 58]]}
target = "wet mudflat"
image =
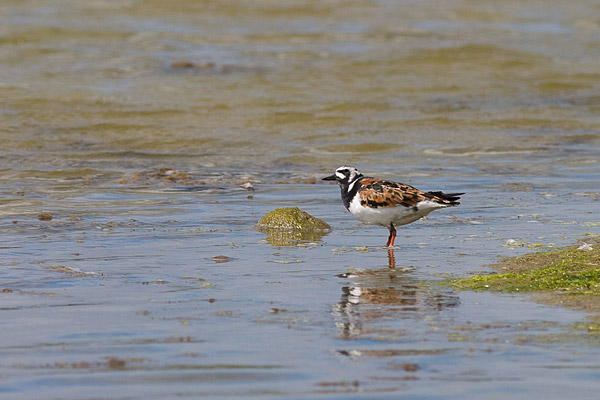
{"points": [[195, 302], [142, 142]]}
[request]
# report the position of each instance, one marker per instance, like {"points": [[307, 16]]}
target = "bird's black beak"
{"points": [[330, 178]]}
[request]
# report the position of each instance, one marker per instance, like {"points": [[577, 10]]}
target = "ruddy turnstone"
{"points": [[379, 202]]}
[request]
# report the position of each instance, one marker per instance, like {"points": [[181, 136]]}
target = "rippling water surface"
{"points": [[155, 135]]}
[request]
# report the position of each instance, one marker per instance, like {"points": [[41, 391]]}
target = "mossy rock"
{"points": [[292, 218], [569, 276], [288, 225]]}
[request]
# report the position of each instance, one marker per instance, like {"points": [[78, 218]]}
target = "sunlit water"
{"points": [[140, 125]]}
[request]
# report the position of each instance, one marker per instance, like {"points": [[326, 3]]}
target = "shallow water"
{"points": [[139, 126]]}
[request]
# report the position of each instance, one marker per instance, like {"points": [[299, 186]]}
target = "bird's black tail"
{"points": [[450, 198]]}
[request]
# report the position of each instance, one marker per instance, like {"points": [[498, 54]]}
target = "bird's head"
{"points": [[344, 175]]}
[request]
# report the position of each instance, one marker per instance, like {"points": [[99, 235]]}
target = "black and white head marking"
{"points": [[346, 175]]}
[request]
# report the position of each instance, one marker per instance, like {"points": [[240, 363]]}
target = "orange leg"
{"points": [[392, 237]]}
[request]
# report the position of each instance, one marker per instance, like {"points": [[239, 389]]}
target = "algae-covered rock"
{"points": [[292, 218], [568, 276], [286, 225]]}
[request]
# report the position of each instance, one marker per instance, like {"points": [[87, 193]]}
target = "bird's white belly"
{"points": [[398, 215]]}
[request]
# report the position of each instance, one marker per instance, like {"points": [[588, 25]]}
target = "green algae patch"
{"points": [[292, 218], [569, 277], [536, 280], [288, 225]]}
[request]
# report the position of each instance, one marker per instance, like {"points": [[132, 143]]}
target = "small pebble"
{"points": [[585, 246], [44, 217]]}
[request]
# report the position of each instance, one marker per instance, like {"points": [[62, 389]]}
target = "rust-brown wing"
{"points": [[380, 193], [377, 193]]}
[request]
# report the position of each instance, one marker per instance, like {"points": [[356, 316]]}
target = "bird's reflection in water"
{"points": [[391, 258], [374, 296]]}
